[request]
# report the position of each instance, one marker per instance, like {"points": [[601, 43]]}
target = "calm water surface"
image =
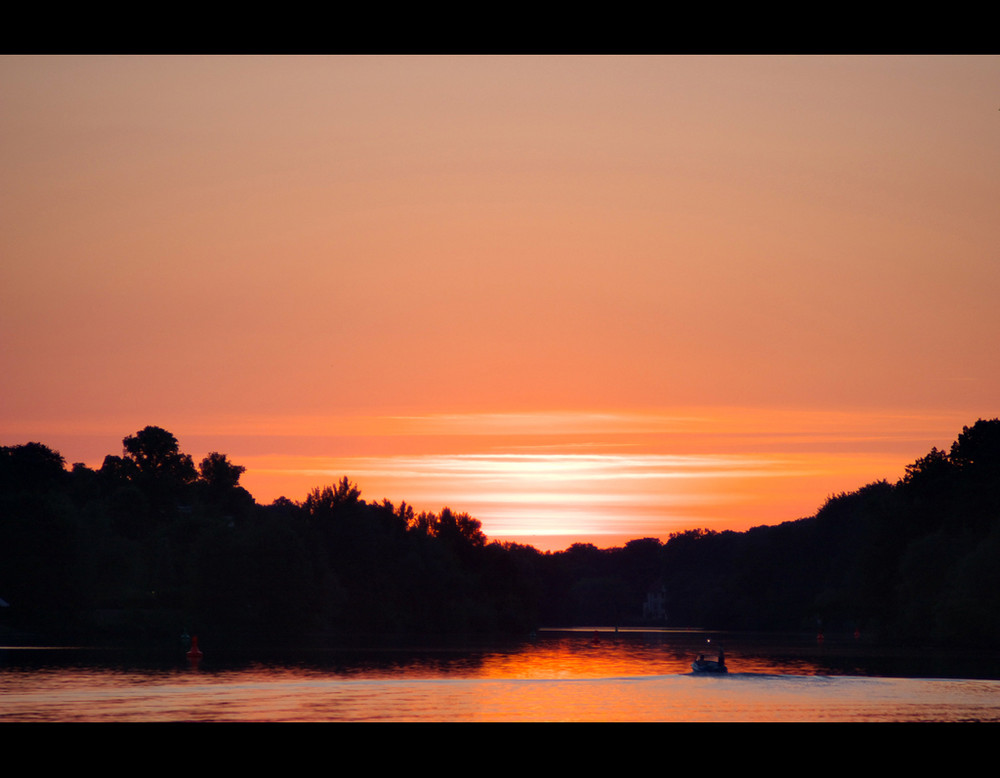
{"points": [[565, 676]]}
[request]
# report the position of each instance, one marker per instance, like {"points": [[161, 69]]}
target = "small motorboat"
{"points": [[700, 665], [717, 665]]}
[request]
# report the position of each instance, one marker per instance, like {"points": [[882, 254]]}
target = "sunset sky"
{"points": [[582, 298]]}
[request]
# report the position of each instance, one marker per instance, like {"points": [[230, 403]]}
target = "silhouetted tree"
{"points": [[459, 529], [157, 466], [641, 562], [929, 471], [156, 453], [328, 501], [978, 446], [219, 473], [31, 467], [117, 470], [976, 456]]}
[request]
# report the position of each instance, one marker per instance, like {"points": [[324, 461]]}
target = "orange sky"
{"points": [[581, 298]]}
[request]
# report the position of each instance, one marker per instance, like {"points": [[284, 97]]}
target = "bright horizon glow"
{"points": [[608, 495], [551, 479], [579, 298]]}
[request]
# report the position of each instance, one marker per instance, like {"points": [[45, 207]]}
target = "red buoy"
{"points": [[195, 652]]}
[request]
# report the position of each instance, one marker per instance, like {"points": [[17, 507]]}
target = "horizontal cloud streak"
{"points": [[573, 474], [570, 493]]}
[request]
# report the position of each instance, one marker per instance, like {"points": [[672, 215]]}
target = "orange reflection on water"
{"points": [[589, 654], [557, 676]]}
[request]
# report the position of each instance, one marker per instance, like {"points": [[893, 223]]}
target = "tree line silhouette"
{"points": [[149, 546]]}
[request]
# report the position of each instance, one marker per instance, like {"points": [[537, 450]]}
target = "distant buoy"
{"points": [[819, 637], [195, 652]]}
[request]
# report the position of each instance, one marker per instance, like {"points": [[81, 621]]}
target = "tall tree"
{"points": [[219, 473], [156, 453], [30, 466]]}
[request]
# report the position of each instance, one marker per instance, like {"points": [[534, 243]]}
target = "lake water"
{"points": [[583, 675]]}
